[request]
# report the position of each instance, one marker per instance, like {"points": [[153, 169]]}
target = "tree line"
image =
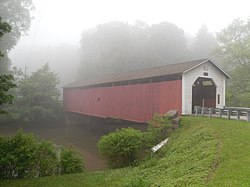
{"points": [[117, 47]]}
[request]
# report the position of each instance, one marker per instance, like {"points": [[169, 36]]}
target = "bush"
{"points": [[159, 121], [17, 156], [70, 162], [158, 129], [122, 147], [47, 162], [24, 157], [151, 137]]}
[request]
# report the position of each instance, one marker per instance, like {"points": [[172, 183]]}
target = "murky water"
{"points": [[82, 133]]}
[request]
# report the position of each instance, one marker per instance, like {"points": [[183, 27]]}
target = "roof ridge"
{"points": [[156, 67], [164, 70]]}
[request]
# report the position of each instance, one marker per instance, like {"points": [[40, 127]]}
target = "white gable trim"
{"points": [[208, 60]]}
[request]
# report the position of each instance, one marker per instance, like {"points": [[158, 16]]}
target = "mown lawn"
{"points": [[203, 152]]}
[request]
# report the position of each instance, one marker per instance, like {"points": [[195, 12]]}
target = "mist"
{"points": [[53, 25], [63, 59], [47, 44]]}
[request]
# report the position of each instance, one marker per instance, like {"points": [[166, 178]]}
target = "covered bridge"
{"points": [[138, 95]]}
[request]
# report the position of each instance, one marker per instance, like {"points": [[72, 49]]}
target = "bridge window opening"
{"points": [[205, 73]]}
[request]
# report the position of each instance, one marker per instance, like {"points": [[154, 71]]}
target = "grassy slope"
{"points": [[204, 152]]}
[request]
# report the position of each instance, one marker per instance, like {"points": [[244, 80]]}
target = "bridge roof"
{"points": [[171, 69]]}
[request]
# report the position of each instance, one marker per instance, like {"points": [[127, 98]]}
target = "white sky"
{"points": [[63, 21]]}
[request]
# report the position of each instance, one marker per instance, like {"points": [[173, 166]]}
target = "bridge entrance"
{"points": [[203, 93]]}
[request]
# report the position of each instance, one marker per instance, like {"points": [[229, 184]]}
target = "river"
{"points": [[82, 133]]}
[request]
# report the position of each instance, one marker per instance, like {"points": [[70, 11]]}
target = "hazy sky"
{"points": [[63, 21]]}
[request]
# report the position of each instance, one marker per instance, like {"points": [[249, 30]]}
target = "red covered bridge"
{"points": [[137, 96]]}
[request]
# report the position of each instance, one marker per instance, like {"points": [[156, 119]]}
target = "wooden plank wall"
{"points": [[137, 102]]}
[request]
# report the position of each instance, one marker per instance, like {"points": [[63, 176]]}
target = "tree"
{"points": [[204, 43], [6, 81], [167, 43], [119, 47], [234, 49], [17, 14], [234, 43], [238, 91], [4, 28], [38, 97]]}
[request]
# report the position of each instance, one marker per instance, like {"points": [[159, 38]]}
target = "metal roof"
{"points": [[170, 69]]}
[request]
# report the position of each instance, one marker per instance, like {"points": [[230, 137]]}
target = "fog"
{"points": [[80, 39], [57, 26], [62, 58]]}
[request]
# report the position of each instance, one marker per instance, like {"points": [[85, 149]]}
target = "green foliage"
{"points": [[234, 42], [234, 49], [46, 160], [238, 91], [6, 83], [159, 128], [70, 162], [159, 121], [4, 28], [122, 147], [36, 97], [22, 156]]}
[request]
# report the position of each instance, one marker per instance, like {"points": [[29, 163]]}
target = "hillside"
{"points": [[203, 152]]}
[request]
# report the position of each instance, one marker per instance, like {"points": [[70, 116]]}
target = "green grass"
{"points": [[203, 152]]}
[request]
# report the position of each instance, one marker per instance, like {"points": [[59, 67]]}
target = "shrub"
{"points": [[159, 121], [158, 129], [17, 156], [122, 147], [46, 160], [151, 137], [24, 157], [70, 162]]}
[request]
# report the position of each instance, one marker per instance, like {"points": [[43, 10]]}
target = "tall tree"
{"points": [[204, 43], [167, 43], [6, 81], [4, 28], [119, 47], [234, 49], [37, 96], [234, 43], [17, 14]]}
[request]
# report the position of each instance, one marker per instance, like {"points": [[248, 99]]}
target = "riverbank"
{"points": [[203, 152]]}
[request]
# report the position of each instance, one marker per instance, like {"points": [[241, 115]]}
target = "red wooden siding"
{"points": [[136, 102]]}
